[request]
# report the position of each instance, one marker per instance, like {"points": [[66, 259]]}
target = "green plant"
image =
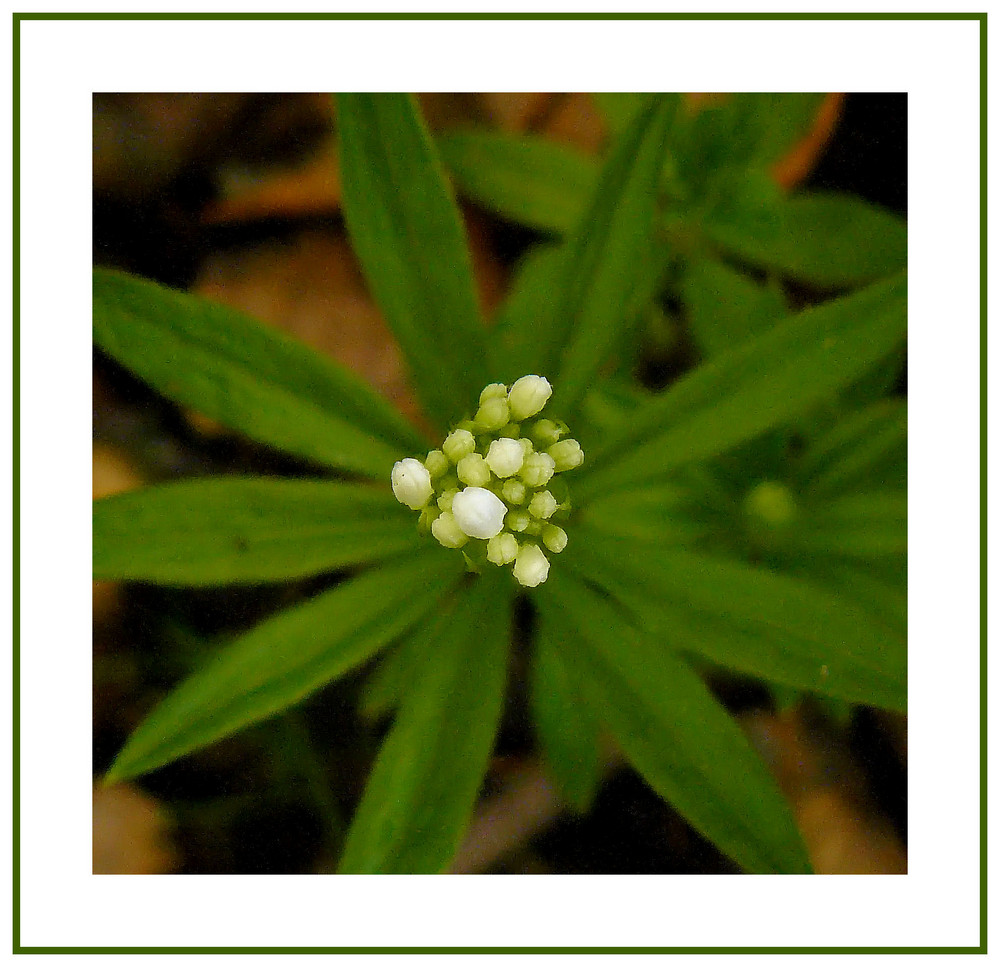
{"points": [[752, 515]]}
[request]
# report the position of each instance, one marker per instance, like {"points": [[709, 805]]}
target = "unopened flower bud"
{"points": [[531, 567], [492, 392], [514, 491], [505, 457], [445, 500], [436, 464], [473, 470], [545, 432], [518, 520], [411, 483], [554, 538], [458, 444], [567, 454], [528, 395], [447, 531], [543, 505], [537, 469], [493, 414], [501, 549], [478, 513]]}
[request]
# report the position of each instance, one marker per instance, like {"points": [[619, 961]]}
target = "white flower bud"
{"points": [[567, 454], [528, 395], [458, 444], [478, 513], [531, 567], [537, 469], [514, 491], [501, 549], [554, 538], [447, 531], [505, 457], [543, 505], [411, 483], [473, 470]]}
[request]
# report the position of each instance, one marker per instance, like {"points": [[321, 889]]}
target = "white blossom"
{"points": [[411, 483], [478, 512]]}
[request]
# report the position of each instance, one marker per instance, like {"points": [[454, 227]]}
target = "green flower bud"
{"points": [[537, 469], [514, 491], [546, 432], [447, 532], [444, 501], [528, 395], [436, 464], [458, 444], [554, 538], [492, 392], [493, 414], [473, 470], [543, 505], [531, 567], [567, 455], [501, 549], [518, 520]]}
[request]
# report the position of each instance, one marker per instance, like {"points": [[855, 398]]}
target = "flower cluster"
{"points": [[492, 488]]}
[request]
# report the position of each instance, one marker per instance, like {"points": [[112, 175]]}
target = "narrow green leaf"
{"points": [[726, 307], [673, 731], [231, 530], [286, 658], [857, 525], [752, 620], [528, 179], [610, 259], [663, 513], [422, 790], [407, 232], [396, 671], [567, 731], [251, 378], [620, 109], [867, 448], [826, 239], [762, 384]]}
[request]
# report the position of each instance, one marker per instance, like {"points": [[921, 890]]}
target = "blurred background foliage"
{"points": [[237, 197]]}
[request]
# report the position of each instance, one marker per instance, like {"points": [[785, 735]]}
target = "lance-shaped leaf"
{"points": [[825, 239], [864, 525], [672, 730], [610, 259], [248, 376], [762, 384], [567, 731], [525, 178], [231, 530], [422, 790], [755, 621], [406, 231], [284, 659], [867, 448]]}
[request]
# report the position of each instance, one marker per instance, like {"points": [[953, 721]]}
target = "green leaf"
{"points": [[672, 730], [661, 514], [567, 732], [611, 265], [726, 307], [755, 621], [422, 790], [867, 448], [757, 386], [858, 525], [286, 658], [826, 239], [620, 109], [405, 228], [528, 179], [232, 530], [251, 378], [396, 672]]}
